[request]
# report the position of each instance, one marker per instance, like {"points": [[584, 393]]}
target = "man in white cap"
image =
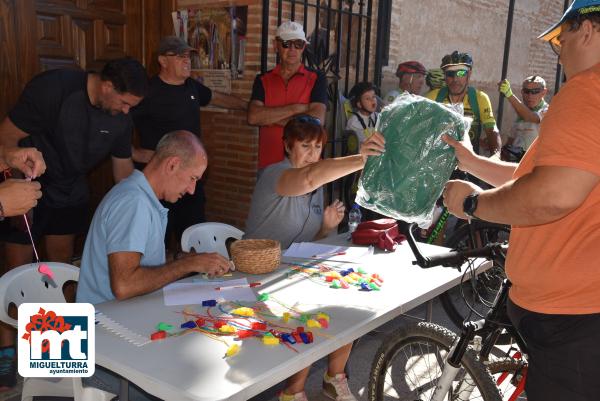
{"points": [[530, 112], [551, 200], [288, 90]]}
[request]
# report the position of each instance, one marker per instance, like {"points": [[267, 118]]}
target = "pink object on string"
{"points": [[45, 269]]}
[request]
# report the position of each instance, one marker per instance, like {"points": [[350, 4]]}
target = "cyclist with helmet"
{"points": [[411, 77], [364, 115], [457, 69]]}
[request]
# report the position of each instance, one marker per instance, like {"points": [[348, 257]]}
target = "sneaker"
{"points": [[8, 368], [301, 396], [337, 388]]}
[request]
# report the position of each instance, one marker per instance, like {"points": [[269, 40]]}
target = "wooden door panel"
{"points": [[114, 5], [109, 40], [54, 36]]}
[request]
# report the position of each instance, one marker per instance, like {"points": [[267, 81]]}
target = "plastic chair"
{"points": [[209, 237], [25, 284]]}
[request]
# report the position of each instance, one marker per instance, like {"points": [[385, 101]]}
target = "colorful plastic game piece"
{"points": [[189, 325], [263, 297], [46, 270], [200, 322], [209, 302], [259, 326], [245, 333], [335, 284], [286, 317], [232, 350], [227, 329], [159, 335], [374, 286], [313, 323], [324, 323], [218, 324], [365, 287], [304, 337], [243, 311], [162, 326], [270, 340]]}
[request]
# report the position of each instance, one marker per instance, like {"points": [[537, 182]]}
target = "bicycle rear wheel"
{"points": [[480, 291], [409, 364]]}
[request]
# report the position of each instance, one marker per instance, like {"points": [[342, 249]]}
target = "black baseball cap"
{"points": [[173, 44]]}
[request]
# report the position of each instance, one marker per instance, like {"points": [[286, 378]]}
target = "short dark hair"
{"points": [[303, 128], [127, 75], [575, 22]]}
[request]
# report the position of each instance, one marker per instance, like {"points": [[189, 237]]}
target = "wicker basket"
{"points": [[256, 256]]}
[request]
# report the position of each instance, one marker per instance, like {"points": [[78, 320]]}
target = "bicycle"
{"points": [[426, 361]]}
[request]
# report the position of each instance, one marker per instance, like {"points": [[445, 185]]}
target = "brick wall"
{"points": [[425, 30]]}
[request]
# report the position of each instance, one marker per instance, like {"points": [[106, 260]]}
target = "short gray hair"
{"points": [[182, 144]]}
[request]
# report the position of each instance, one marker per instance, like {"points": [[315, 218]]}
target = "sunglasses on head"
{"points": [[297, 43], [533, 91], [458, 73], [308, 120]]}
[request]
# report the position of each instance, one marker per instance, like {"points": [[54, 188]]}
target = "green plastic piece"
{"points": [[263, 297], [304, 318], [374, 286], [405, 182], [335, 284], [360, 270], [164, 327], [268, 334]]}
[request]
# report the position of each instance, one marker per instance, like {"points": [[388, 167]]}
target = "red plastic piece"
{"points": [[259, 326], [200, 322], [297, 337], [329, 279], [309, 334], [245, 333], [299, 329], [159, 335], [324, 323], [218, 324]]}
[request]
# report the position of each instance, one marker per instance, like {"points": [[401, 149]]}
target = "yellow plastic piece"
{"points": [[270, 340], [313, 323], [243, 311], [322, 315], [227, 329], [231, 351], [335, 275], [286, 317]]}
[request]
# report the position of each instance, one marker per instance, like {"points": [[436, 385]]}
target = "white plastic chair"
{"points": [[209, 237], [25, 284]]}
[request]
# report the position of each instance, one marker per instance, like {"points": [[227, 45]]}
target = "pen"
{"points": [[325, 255], [250, 285]]}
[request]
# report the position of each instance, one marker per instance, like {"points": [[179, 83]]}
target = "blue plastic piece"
{"points": [[365, 287], [209, 302], [188, 325], [288, 338], [304, 338]]}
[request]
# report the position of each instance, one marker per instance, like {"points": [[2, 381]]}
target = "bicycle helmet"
{"points": [[410, 67], [435, 78], [457, 58], [357, 91]]}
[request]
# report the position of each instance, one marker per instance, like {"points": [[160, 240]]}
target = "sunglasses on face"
{"points": [[532, 91], [180, 56], [297, 43], [458, 74], [308, 120]]}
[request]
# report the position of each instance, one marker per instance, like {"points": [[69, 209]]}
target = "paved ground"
{"points": [[359, 364]]}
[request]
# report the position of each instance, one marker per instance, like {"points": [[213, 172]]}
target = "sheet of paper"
{"points": [[200, 290], [312, 250]]}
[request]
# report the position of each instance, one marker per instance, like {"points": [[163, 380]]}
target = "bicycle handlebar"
{"points": [[449, 259]]}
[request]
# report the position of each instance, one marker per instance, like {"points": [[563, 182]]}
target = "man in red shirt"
{"points": [[287, 90]]}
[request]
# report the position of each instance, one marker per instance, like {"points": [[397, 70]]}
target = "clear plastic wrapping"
{"points": [[405, 182]]}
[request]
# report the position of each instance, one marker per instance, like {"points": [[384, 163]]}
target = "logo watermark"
{"points": [[56, 340]]}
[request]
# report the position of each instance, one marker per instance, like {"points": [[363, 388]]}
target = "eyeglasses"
{"points": [[532, 91], [568, 26], [180, 56], [555, 45], [298, 43], [458, 74], [306, 119]]}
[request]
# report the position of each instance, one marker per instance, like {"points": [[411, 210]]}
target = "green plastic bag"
{"points": [[405, 182]]}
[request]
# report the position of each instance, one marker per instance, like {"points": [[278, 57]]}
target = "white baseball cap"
{"points": [[291, 30]]}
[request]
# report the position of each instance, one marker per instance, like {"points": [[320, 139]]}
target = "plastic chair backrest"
{"points": [[26, 284], [209, 237]]}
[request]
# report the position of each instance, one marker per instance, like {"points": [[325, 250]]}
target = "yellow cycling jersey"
{"points": [[486, 116]]}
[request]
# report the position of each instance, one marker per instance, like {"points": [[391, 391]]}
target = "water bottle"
{"points": [[354, 218]]}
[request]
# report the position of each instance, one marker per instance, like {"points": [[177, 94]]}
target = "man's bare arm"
{"points": [[10, 134], [128, 279], [523, 111], [122, 168], [228, 101], [259, 114]]}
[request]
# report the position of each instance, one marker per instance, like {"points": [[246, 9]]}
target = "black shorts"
{"points": [[564, 354], [46, 221]]}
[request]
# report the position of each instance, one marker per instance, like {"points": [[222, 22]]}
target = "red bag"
{"points": [[382, 233]]}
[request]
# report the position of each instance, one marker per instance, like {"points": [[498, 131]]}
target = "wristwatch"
{"points": [[470, 205]]}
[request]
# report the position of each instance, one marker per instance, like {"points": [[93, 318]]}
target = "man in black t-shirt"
{"points": [[173, 103], [75, 119]]}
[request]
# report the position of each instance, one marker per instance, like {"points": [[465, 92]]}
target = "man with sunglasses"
{"points": [[473, 103], [551, 200], [288, 90], [529, 112], [172, 104]]}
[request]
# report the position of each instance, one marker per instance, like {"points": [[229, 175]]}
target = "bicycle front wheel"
{"points": [[509, 374], [409, 364]]}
